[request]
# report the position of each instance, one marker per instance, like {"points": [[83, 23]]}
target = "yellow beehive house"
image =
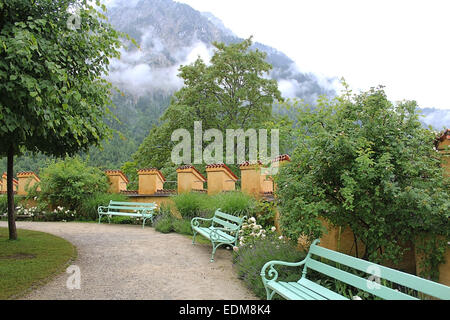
{"points": [[189, 179], [151, 180], [220, 178], [26, 180], [118, 181]]}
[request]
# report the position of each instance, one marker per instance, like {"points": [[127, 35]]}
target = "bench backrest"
{"points": [[375, 272], [225, 220], [121, 205]]}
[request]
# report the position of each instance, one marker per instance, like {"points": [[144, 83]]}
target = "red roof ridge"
{"points": [[189, 166], [119, 172], [222, 165], [152, 170], [283, 157]]}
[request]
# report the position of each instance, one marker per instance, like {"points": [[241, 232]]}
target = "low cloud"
{"points": [[142, 71]]}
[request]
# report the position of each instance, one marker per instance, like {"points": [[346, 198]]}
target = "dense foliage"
{"points": [[366, 163], [53, 93], [232, 92], [69, 183]]}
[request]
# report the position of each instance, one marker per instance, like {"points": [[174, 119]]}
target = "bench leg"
{"points": [[214, 250], [269, 294], [193, 239], [99, 218]]}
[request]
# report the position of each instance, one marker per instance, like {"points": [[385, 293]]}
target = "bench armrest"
{"points": [[273, 273], [196, 221], [102, 209]]}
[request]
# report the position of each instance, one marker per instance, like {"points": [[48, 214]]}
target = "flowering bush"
{"points": [[29, 212], [256, 250], [39, 214], [251, 231]]}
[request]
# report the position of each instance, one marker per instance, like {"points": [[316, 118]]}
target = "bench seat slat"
{"points": [[308, 292], [408, 280], [331, 295], [130, 208], [286, 291], [355, 281], [127, 214], [206, 232], [143, 204]]}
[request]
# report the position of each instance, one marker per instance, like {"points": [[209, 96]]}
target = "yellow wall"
{"points": [[117, 183], [219, 180], [149, 183], [251, 180], [188, 180], [25, 182]]}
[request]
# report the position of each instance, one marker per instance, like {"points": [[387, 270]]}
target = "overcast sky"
{"points": [[404, 45]]}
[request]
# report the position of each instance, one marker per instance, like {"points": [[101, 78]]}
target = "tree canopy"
{"points": [[52, 93], [362, 161], [231, 91], [53, 58]]}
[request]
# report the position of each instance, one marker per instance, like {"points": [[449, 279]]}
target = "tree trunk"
{"points": [[10, 186]]}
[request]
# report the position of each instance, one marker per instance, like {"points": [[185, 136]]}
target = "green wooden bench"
{"points": [[306, 289], [127, 209], [221, 229]]}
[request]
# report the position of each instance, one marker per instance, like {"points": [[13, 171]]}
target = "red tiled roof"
{"points": [[284, 157], [149, 170], [250, 163], [222, 165], [186, 167], [28, 174], [165, 192], [129, 192], [119, 172], [5, 176]]}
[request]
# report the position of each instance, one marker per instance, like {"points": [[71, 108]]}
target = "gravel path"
{"points": [[127, 262]]}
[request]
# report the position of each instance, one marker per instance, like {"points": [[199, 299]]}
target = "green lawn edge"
{"points": [[31, 261]]}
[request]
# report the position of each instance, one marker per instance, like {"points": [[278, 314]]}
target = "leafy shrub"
{"points": [[68, 183], [87, 210], [265, 213], [3, 204], [182, 226], [192, 205], [249, 260], [18, 200], [164, 225], [236, 203], [163, 222]]}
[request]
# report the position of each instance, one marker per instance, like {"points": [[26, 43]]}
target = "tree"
{"points": [[364, 162], [231, 92], [53, 96]]}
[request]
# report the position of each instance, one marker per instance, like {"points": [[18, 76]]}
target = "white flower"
{"points": [[235, 249], [252, 220], [280, 237], [273, 229]]}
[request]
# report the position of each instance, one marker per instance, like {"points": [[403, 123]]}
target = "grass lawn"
{"points": [[31, 261]]}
